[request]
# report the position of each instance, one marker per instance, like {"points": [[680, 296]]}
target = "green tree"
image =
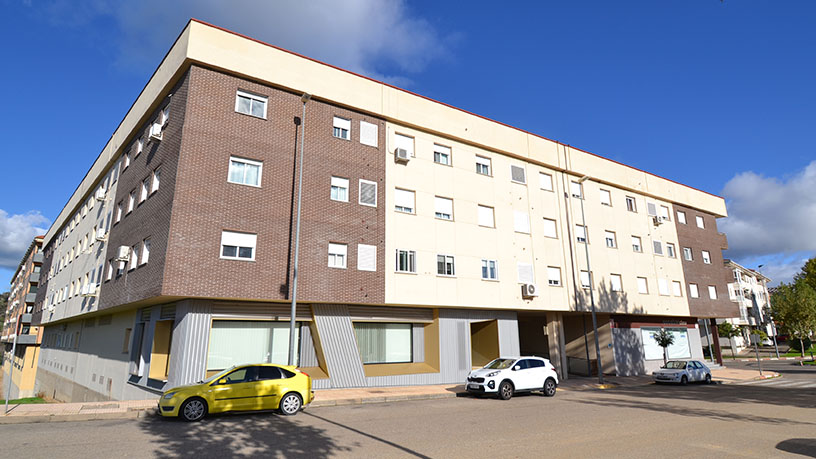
{"points": [[664, 339], [726, 330], [794, 308], [808, 273]]}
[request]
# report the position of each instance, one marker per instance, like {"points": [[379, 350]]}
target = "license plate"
{"points": [[473, 386]]}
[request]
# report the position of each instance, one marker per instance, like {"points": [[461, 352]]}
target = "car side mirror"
{"points": [[516, 368], [222, 381]]}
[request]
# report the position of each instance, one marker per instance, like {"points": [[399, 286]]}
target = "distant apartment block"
{"points": [[748, 288]]}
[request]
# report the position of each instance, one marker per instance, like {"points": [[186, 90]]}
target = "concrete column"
{"points": [[557, 345]]}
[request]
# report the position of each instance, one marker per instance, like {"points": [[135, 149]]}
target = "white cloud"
{"points": [[16, 234]]}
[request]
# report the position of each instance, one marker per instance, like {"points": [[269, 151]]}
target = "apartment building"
{"points": [[432, 239], [21, 339], [748, 288]]}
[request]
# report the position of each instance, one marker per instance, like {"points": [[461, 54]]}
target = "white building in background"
{"points": [[749, 289]]}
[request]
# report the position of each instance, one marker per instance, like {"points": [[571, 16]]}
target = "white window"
{"points": [[694, 292], [518, 174], [155, 181], [712, 292], [405, 143], [521, 222], [581, 234], [545, 181], [110, 270], [670, 250], [131, 201], [403, 201], [442, 155], [145, 251], [651, 208], [406, 261], [337, 255], [643, 285], [664, 213], [383, 342], [681, 217], [550, 229], [143, 190], [486, 217], [615, 282], [611, 241], [584, 279], [577, 189], [687, 253], [636, 245], [126, 161], [706, 257], [368, 193], [139, 147], [342, 128], [606, 198], [658, 248], [366, 257], [250, 104], [134, 257], [164, 116], [677, 288], [483, 165], [118, 212], [490, 270], [339, 189], [369, 134], [525, 273], [554, 276], [631, 205], [700, 222], [238, 246], [663, 287], [444, 265], [245, 171], [443, 208]]}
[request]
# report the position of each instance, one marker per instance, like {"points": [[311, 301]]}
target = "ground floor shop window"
{"points": [[384, 343], [678, 350], [237, 342]]}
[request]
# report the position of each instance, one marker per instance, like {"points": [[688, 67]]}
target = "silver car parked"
{"points": [[683, 372]]}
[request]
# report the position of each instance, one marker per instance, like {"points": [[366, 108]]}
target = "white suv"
{"points": [[508, 375]]}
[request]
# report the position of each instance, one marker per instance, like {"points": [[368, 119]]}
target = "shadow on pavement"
{"points": [[803, 446], [724, 393], [408, 451]]}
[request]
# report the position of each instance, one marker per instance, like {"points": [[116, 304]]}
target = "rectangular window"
{"points": [[109, 274], [550, 229], [677, 288], [442, 155], [337, 255], [518, 174], [658, 248], [406, 261], [489, 270], [125, 161], [663, 287], [143, 190], [403, 201], [486, 217], [366, 257], [342, 128], [554, 276], [134, 257], [139, 147], [545, 181], [700, 222], [250, 104], [694, 292], [636, 244], [611, 240], [145, 251], [483, 165], [664, 213], [651, 208], [369, 134], [577, 190], [131, 201], [521, 222], [670, 250], [339, 189], [368, 193], [444, 265], [615, 282], [118, 212], [405, 143], [384, 343], [606, 198], [443, 208], [581, 234], [245, 171], [706, 257], [525, 273], [238, 246], [584, 279], [154, 187], [236, 342], [712, 292], [643, 285], [681, 217], [687, 254]]}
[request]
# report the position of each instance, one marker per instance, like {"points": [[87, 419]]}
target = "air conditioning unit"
{"points": [[100, 194], [123, 253], [402, 155], [664, 219], [51, 308], [657, 221], [156, 131], [89, 290], [84, 290], [101, 235], [529, 290]]}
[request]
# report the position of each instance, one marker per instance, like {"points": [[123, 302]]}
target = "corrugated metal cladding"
{"points": [[339, 345], [308, 355], [267, 311], [390, 314], [191, 335]]}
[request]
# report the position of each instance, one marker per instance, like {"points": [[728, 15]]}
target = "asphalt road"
{"points": [[644, 421]]}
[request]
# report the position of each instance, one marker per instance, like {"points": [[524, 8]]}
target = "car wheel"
{"points": [[684, 380], [290, 404], [708, 378], [549, 387], [505, 390], [193, 409]]}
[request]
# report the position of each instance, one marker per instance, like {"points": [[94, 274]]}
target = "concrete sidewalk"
{"points": [[731, 375], [86, 411]]}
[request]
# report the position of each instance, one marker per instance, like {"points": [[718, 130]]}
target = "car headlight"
{"points": [[169, 395], [492, 374]]}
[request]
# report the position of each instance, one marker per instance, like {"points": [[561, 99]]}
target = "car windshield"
{"points": [[675, 365], [500, 364], [217, 376]]}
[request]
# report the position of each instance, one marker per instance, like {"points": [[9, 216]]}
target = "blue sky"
{"points": [[716, 95]]}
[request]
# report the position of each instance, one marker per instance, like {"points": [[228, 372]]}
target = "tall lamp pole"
{"points": [[589, 274], [304, 98]]}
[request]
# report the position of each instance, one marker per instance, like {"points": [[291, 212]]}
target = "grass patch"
{"points": [[809, 362], [792, 353], [24, 401]]}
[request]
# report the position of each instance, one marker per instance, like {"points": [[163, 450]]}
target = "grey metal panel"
{"points": [[34, 278], [509, 337], [25, 318], [37, 258], [191, 335], [269, 311], [27, 339], [390, 314], [30, 298], [308, 355], [339, 345], [418, 341]]}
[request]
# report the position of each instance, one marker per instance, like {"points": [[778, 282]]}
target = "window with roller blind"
{"points": [[442, 155], [369, 134], [366, 257], [404, 201], [342, 128], [521, 222], [368, 193], [404, 142], [486, 216], [443, 208]]}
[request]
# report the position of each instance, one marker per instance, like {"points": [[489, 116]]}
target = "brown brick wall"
{"points": [[702, 274], [205, 203]]}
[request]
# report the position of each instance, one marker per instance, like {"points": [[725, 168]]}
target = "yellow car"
{"points": [[241, 388]]}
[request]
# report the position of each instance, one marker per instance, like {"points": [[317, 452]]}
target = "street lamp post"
{"points": [[304, 98], [589, 274]]}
